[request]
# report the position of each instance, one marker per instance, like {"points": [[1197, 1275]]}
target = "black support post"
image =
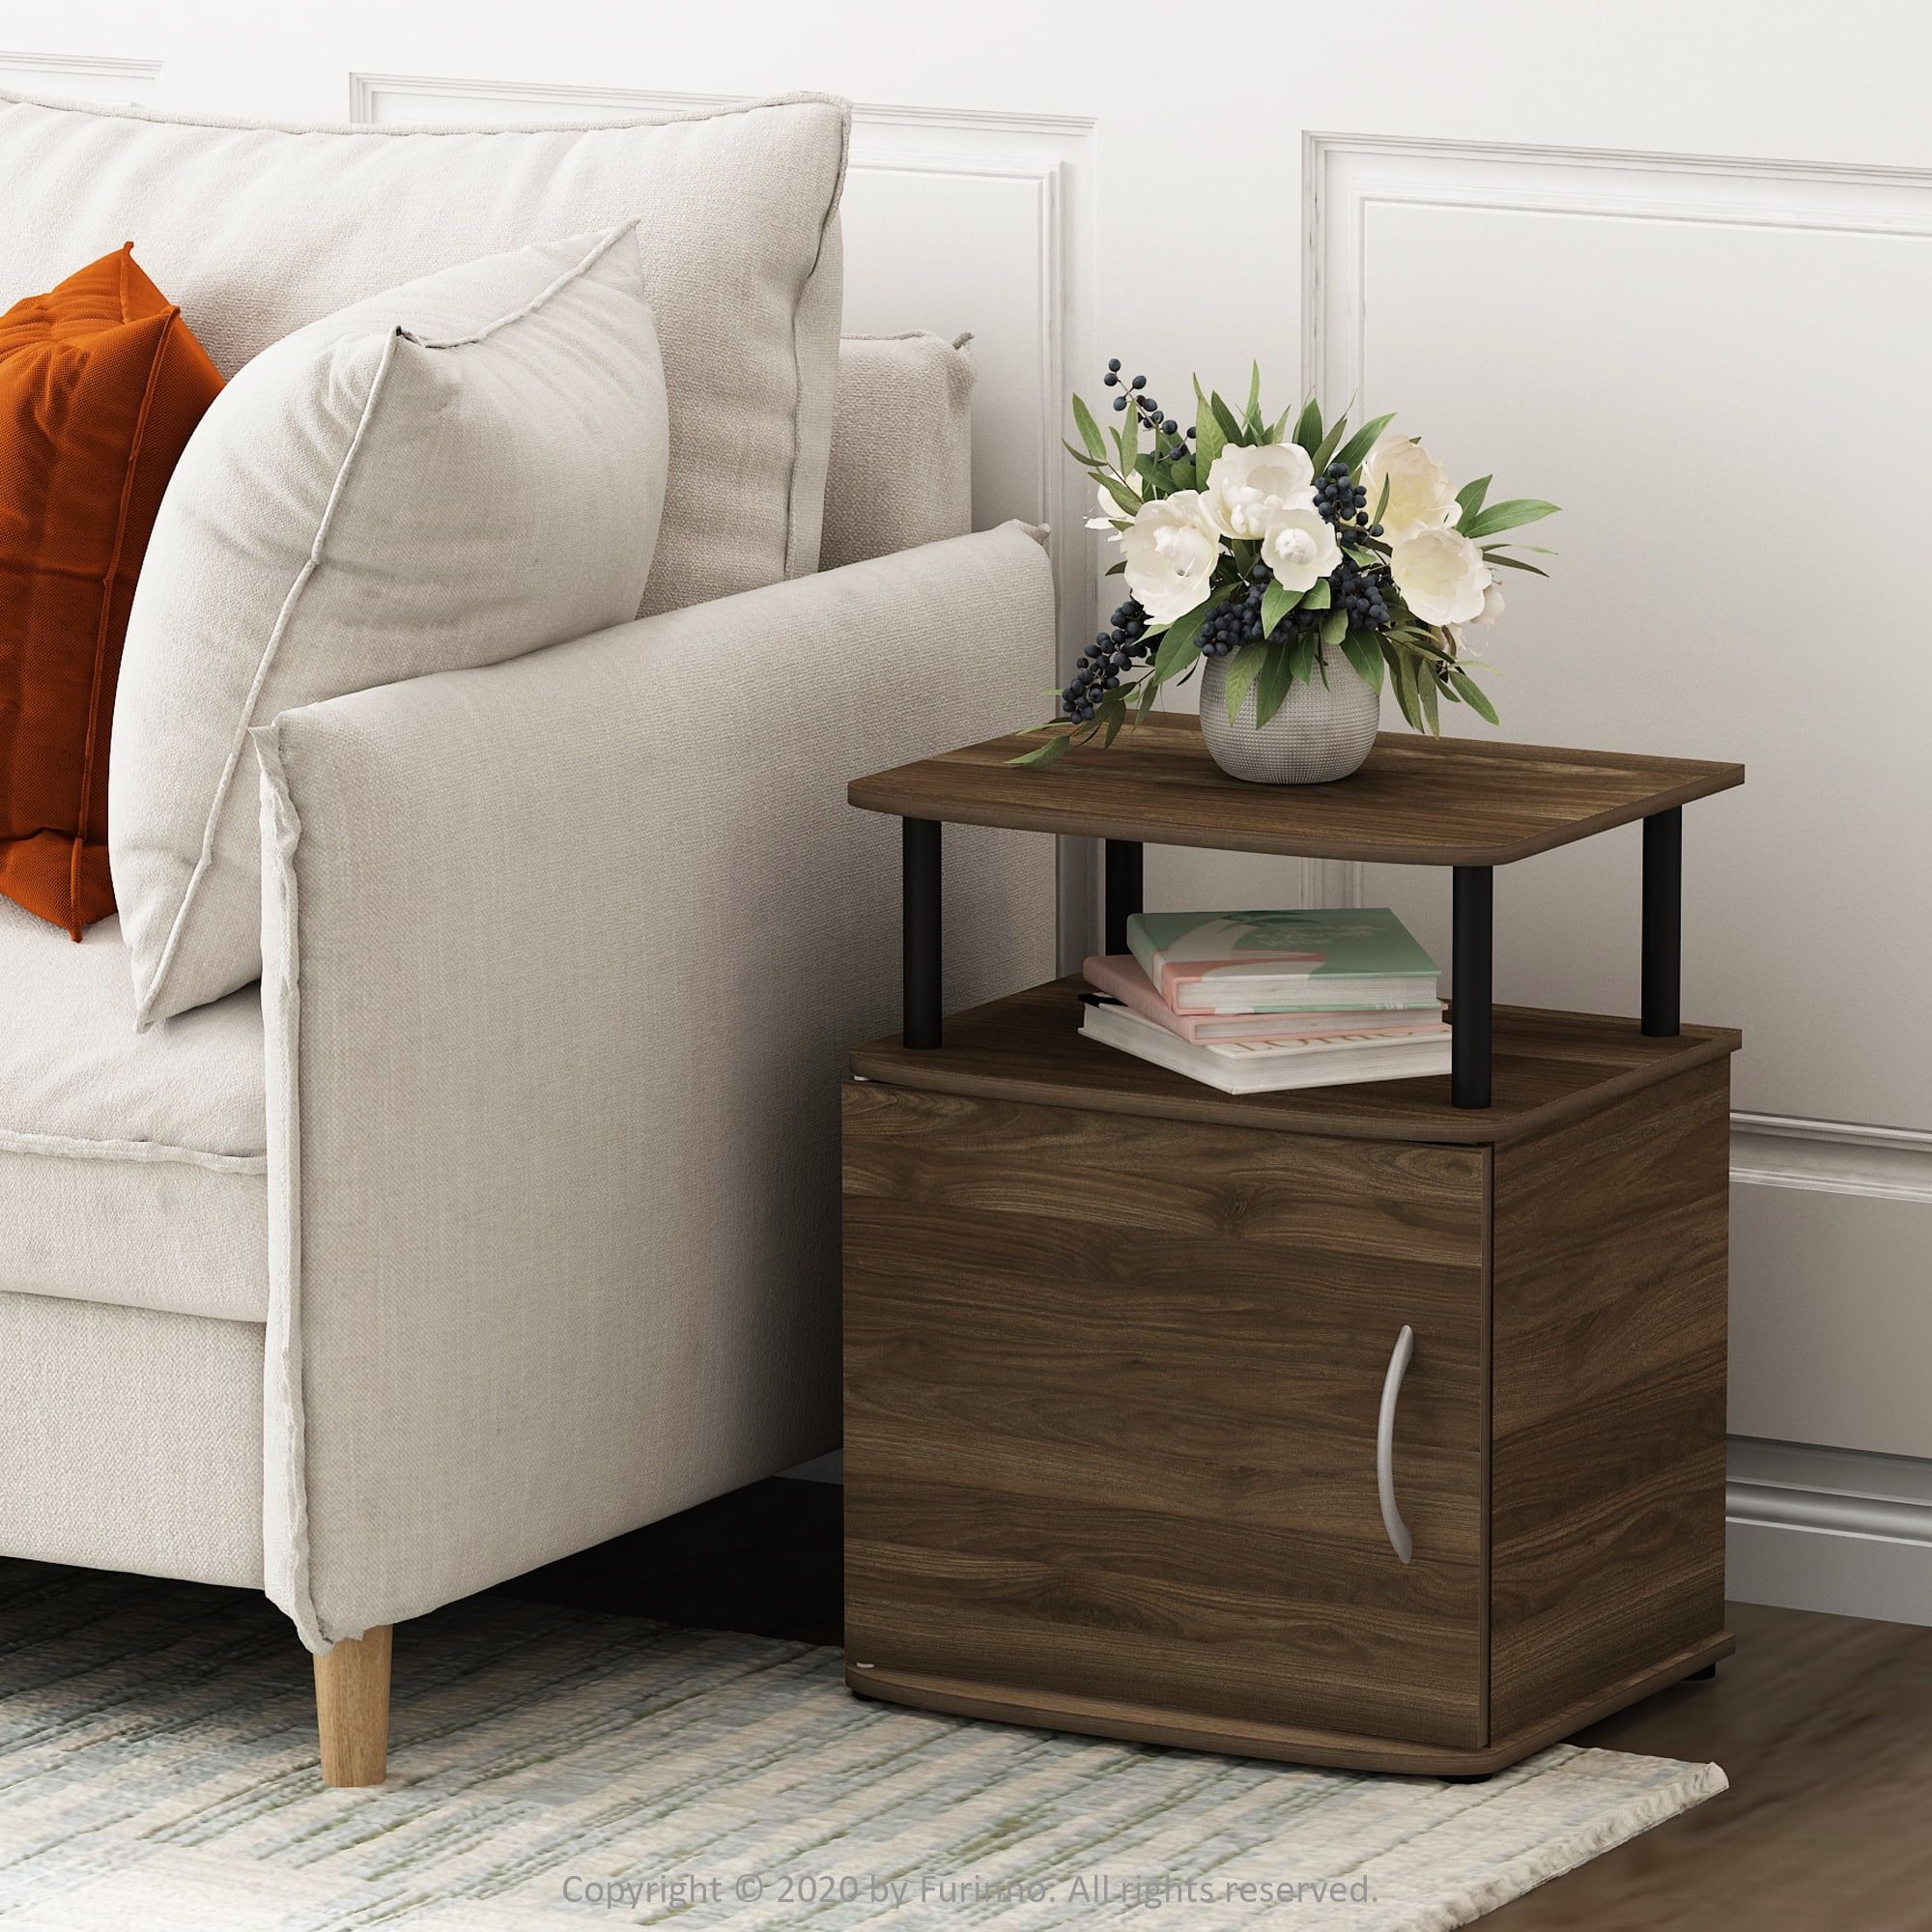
{"points": [[920, 959], [1664, 922], [1474, 947], [1123, 870]]}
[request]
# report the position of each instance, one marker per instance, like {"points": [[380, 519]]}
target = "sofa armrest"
{"points": [[562, 957]]}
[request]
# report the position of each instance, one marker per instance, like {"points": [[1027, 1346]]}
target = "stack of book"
{"points": [[1262, 1001]]}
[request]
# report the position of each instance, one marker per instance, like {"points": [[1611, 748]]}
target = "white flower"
{"points": [[1418, 487], [1170, 553], [1300, 548], [1442, 575], [1111, 512], [1249, 482], [1493, 609]]}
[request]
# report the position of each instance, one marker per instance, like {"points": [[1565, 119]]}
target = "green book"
{"points": [[1327, 960]]}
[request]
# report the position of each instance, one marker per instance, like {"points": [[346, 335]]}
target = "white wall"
{"points": [[1667, 264]]}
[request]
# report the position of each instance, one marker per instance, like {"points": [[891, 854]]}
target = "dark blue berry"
{"points": [[1139, 382], [1110, 381], [1113, 365], [1119, 402]]}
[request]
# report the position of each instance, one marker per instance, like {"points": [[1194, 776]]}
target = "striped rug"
{"points": [[552, 1769]]}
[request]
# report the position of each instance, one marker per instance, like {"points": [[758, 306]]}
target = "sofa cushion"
{"points": [[902, 451], [101, 385], [258, 230], [132, 1165], [441, 476]]}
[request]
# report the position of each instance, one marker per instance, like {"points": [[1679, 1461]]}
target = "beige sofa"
{"points": [[514, 1226]]}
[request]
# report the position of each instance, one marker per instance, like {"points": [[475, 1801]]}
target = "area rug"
{"points": [[555, 1768]]}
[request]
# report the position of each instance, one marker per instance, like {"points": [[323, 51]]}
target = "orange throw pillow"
{"points": [[101, 387]]}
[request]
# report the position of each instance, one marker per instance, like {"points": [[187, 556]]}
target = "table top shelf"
{"points": [[1417, 801], [1550, 1067]]}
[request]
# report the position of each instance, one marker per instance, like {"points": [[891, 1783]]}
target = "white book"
{"points": [[1271, 1065]]}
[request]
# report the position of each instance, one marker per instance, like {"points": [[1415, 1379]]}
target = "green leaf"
{"points": [[1301, 658], [1467, 689], [1277, 675], [1046, 753], [1225, 416], [1315, 597], [1177, 647], [1208, 438], [1114, 569], [1334, 627], [1252, 416], [1425, 686], [1089, 431], [1512, 563], [1277, 601], [1308, 425], [1144, 468], [1470, 496], [1113, 714], [1362, 442], [1129, 435], [1363, 650], [1381, 503], [1401, 667], [1243, 667], [1507, 516], [1324, 451], [1121, 493], [1279, 427]]}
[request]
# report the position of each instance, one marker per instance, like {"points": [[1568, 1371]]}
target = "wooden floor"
{"points": [[1822, 1724]]}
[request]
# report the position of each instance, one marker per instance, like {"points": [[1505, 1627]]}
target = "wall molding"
{"points": [[1828, 1529], [1736, 190], [365, 91], [96, 74], [1346, 175], [1831, 1156]]}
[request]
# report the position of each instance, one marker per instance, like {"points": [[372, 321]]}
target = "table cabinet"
{"points": [[1350, 1426]]}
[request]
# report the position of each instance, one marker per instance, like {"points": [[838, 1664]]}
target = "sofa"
{"points": [[501, 1217]]}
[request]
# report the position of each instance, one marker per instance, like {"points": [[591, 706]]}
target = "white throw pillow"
{"points": [[460, 470], [257, 231]]}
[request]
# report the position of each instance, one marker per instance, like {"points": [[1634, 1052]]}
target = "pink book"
{"points": [[1120, 977]]}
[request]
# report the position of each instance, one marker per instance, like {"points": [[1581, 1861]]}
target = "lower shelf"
{"points": [[1143, 1723], [1550, 1067]]}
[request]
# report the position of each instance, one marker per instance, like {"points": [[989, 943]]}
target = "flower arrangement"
{"points": [[1278, 548]]}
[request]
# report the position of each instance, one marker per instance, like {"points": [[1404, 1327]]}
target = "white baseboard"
{"points": [[1828, 1529]]}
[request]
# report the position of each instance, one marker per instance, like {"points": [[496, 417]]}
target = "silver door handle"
{"points": [[1400, 1540]]}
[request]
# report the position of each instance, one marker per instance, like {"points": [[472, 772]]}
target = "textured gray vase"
{"points": [[1321, 732]]}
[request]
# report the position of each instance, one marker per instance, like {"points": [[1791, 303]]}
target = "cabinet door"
{"points": [[1112, 1388]]}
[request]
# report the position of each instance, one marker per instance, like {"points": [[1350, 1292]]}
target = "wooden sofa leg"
{"points": [[352, 1709]]}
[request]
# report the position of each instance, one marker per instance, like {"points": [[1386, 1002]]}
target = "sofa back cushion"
{"points": [[446, 476], [257, 230], [101, 385], [903, 449]]}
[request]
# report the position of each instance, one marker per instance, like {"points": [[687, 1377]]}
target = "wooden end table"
{"points": [[1378, 1426]]}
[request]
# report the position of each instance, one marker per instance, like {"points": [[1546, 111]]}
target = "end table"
{"points": [[1378, 1426]]}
